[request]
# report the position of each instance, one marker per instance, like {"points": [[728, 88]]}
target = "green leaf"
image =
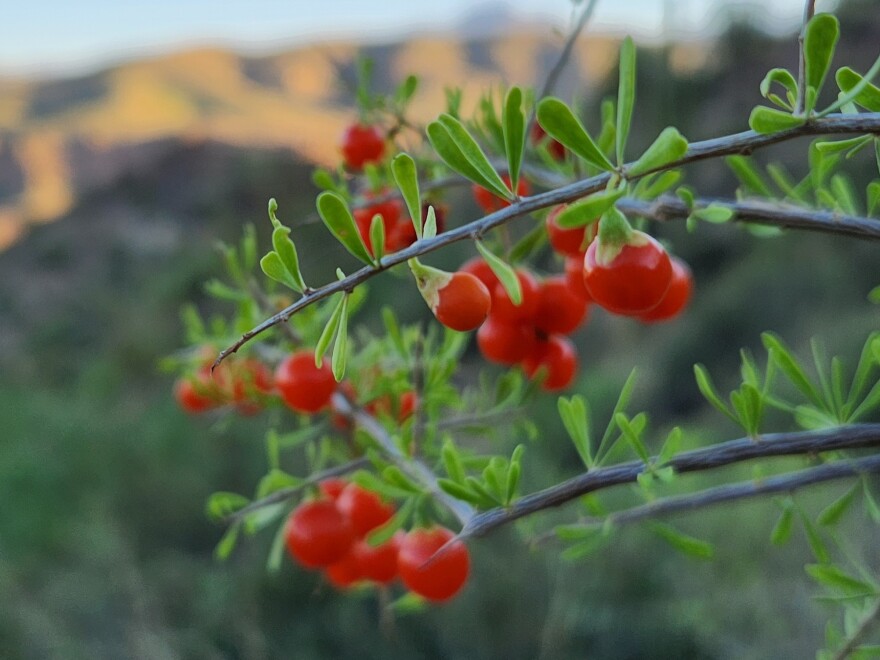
{"points": [[784, 78], [820, 40], [844, 194], [452, 462], [329, 330], [707, 389], [626, 95], [868, 97], [766, 120], [276, 551], [834, 511], [384, 532], [474, 155], [590, 539], [820, 552], [274, 268], [864, 368], [557, 119], [274, 480], [835, 146], [460, 492], [338, 219], [505, 274], [223, 504], [682, 542], [714, 213], [748, 175], [633, 437], [514, 471], [574, 413], [377, 237], [589, 209], [622, 401], [788, 363], [871, 504], [670, 447], [783, 181], [873, 189], [836, 579], [453, 156], [286, 250], [340, 348], [669, 147], [782, 529], [514, 127], [227, 543], [869, 403], [403, 167]]}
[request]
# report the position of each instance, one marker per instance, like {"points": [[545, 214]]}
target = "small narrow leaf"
{"points": [[873, 189], [834, 511], [707, 389], [286, 250], [472, 151], [227, 543], [670, 447], [748, 175], [514, 127], [836, 579], [338, 219], [453, 156], [631, 436], [820, 552], [682, 542], [340, 348], [274, 268], [329, 331], [460, 492], [377, 237], [790, 366], [669, 147], [574, 415], [766, 120], [626, 94], [714, 213], [430, 229], [504, 272], [782, 77], [452, 462], [589, 209], [868, 97], [820, 40], [403, 167], [560, 123], [782, 529], [223, 504]]}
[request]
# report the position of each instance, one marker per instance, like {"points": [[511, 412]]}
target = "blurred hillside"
{"points": [[113, 190]]}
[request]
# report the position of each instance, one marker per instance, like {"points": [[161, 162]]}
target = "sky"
{"points": [[64, 37]]}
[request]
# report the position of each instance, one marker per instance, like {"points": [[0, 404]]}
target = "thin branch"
{"points": [[708, 458], [290, 492], [738, 143], [738, 491], [809, 10], [565, 54], [859, 634], [777, 214]]}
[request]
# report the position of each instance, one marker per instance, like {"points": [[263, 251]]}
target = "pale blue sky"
{"points": [[72, 36]]}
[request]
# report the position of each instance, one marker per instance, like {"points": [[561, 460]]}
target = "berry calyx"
{"points": [[459, 300], [364, 509], [568, 242], [317, 534], [490, 202], [505, 343], [558, 358], [560, 310], [303, 386], [437, 578], [361, 145], [676, 298]]}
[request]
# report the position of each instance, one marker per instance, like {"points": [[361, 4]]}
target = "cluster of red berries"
{"points": [[329, 533], [244, 384]]}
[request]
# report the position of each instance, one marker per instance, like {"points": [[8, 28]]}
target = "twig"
{"points": [[738, 143], [565, 54], [809, 10], [292, 491], [777, 214], [708, 458], [859, 633]]}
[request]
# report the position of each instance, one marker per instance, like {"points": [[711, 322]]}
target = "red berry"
{"points": [[505, 343], [503, 308], [407, 405], [481, 270], [191, 397], [538, 134], [676, 298], [252, 378], [435, 578], [463, 303], [303, 386], [574, 277], [568, 242], [395, 229], [560, 310], [383, 405], [345, 572], [317, 534], [378, 564], [490, 203], [361, 144], [364, 509], [558, 357], [634, 280], [332, 487]]}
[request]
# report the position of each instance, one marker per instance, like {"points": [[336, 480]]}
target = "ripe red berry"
{"points": [[568, 242], [361, 144], [560, 310], [364, 509], [478, 267], [490, 203], [396, 231], [435, 578], [251, 381], [558, 357], [538, 135], [331, 488], [317, 534], [632, 281], [574, 277], [463, 303], [505, 343], [676, 298], [379, 563], [191, 397], [345, 572], [303, 386], [503, 308]]}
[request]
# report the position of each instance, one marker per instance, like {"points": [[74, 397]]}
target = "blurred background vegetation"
{"points": [[105, 551]]}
